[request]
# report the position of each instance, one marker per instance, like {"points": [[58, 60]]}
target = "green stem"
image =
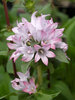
{"points": [[39, 72]]}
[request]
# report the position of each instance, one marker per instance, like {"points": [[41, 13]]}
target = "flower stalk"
{"points": [[14, 68], [8, 25], [48, 77], [39, 73], [6, 12]]}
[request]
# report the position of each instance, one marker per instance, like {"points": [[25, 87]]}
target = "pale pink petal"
{"points": [[27, 74], [62, 45], [51, 21], [32, 82], [50, 54], [33, 18], [37, 57], [38, 23], [10, 37], [47, 46], [42, 21], [44, 60], [21, 75], [15, 30], [12, 46], [52, 46], [24, 20], [39, 36], [32, 31], [15, 55], [54, 26], [58, 32], [27, 57], [15, 86], [15, 80], [37, 47], [19, 24], [55, 40]]}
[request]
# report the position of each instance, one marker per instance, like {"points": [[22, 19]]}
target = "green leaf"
{"points": [[6, 34], [26, 96], [60, 55], [4, 85], [68, 23], [26, 15], [70, 31], [46, 9], [3, 46], [25, 66], [2, 69], [9, 65], [13, 98], [59, 85], [44, 96], [4, 53]]}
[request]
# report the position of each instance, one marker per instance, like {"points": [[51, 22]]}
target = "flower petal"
{"points": [[50, 54], [15, 55], [33, 19], [37, 57], [46, 46], [27, 57], [15, 86], [15, 30], [10, 38], [44, 60], [37, 47], [12, 46]]}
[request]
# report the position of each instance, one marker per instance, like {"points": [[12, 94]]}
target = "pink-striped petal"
{"points": [[50, 54], [37, 47], [37, 57], [12, 46], [44, 60]]}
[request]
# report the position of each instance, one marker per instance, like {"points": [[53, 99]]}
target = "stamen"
{"points": [[28, 43], [41, 51]]}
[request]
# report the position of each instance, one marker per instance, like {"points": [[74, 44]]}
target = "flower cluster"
{"points": [[23, 84], [36, 39]]}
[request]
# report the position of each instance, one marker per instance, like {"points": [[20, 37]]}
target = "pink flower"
{"points": [[22, 77], [42, 52], [23, 84], [39, 31], [30, 86]]}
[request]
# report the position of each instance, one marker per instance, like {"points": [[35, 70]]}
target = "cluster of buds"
{"points": [[24, 83], [36, 39]]}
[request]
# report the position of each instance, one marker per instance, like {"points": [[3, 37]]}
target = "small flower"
{"points": [[30, 86], [42, 53], [23, 84]]}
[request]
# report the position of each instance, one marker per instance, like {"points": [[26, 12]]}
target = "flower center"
{"points": [[32, 89], [28, 43], [41, 51]]}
